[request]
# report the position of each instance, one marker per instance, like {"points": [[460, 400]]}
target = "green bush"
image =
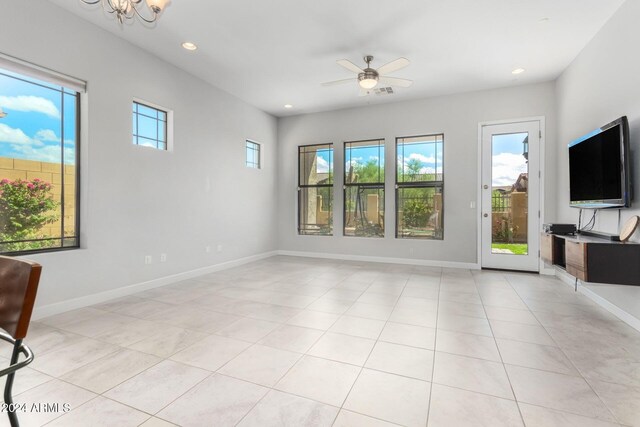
{"points": [[25, 207], [415, 213]]}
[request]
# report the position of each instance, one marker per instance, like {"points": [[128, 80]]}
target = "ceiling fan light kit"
{"points": [[128, 9], [368, 78]]}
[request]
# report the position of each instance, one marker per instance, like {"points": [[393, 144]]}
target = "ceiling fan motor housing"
{"points": [[368, 74]]}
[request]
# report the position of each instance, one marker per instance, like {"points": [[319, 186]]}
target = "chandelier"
{"points": [[128, 9]]}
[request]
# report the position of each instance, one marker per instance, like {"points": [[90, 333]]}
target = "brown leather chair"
{"points": [[18, 287]]}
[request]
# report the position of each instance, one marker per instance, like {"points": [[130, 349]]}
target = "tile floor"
{"points": [[307, 342]]}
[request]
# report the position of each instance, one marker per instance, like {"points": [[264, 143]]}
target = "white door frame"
{"points": [[543, 138]]}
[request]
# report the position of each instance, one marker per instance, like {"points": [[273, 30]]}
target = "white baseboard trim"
{"points": [[386, 260], [87, 300], [627, 318], [547, 271]]}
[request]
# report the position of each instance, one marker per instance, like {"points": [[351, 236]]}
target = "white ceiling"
{"points": [[273, 52]]}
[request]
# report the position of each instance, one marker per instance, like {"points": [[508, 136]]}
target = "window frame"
{"points": [[168, 125], [304, 186], [254, 165], [418, 184], [380, 185], [78, 88]]}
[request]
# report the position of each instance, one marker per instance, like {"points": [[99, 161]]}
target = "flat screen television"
{"points": [[599, 175]]}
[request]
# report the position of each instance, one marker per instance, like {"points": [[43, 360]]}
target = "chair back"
{"points": [[18, 287]]}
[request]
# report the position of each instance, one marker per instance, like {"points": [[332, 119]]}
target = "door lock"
{"points": [[486, 215], [486, 187]]}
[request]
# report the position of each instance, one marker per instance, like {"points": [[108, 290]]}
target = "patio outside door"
{"points": [[511, 196]]}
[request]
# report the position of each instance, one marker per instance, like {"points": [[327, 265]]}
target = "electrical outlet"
{"points": [[219, 248], [163, 257], [148, 259], [207, 249]]}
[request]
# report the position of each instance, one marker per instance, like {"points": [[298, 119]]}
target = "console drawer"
{"points": [[576, 255], [546, 248], [577, 272]]}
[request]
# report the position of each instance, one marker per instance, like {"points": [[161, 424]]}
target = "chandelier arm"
{"points": [[148, 21], [127, 13], [105, 4]]}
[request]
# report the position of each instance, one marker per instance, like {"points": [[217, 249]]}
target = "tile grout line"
{"points": [[435, 346], [566, 356], [281, 324], [302, 355], [370, 351], [495, 341]]}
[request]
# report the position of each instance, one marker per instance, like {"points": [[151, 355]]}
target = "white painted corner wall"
{"points": [[598, 87], [137, 201], [457, 117]]}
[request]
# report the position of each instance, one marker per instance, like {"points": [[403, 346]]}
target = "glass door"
{"points": [[510, 196]]}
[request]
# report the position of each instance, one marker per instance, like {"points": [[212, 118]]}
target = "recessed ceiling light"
{"points": [[189, 46], [544, 20], [288, 106], [518, 71]]}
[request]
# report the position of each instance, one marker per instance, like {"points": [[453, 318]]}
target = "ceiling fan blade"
{"points": [[350, 65], [339, 82], [392, 66], [395, 81], [364, 92]]}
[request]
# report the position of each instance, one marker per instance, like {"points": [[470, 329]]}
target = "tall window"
{"points": [[253, 154], [149, 126], [315, 189], [419, 187], [364, 188], [39, 144]]}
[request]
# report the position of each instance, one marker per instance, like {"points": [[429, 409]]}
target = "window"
{"points": [[419, 187], [149, 126], [39, 153], [364, 188], [315, 190], [253, 155]]}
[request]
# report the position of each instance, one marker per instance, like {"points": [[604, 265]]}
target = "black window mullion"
{"points": [[403, 183], [62, 167], [160, 143]]}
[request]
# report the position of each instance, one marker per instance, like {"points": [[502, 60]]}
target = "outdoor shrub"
{"points": [[415, 213], [25, 207]]}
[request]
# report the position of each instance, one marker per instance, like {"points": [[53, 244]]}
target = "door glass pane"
{"points": [[509, 193]]}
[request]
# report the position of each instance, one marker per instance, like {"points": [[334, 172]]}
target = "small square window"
{"points": [[253, 155], [149, 126]]}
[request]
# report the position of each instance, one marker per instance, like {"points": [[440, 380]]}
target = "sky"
{"points": [[424, 153], [34, 123], [508, 161]]}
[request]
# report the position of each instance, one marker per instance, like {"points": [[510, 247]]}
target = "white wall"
{"points": [[139, 201], [457, 117], [599, 86]]}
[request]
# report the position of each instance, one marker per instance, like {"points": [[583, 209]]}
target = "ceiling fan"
{"points": [[368, 78]]}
